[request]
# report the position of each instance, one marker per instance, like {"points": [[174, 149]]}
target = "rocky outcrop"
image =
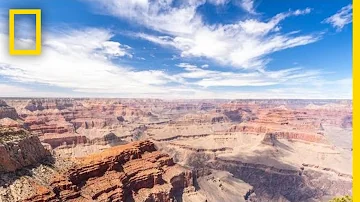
{"points": [[316, 167], [180, 137], [186, 147], [270, 137], [133, 172], [274, 184], [249, 128], [43, 104], [109, 138], [19, 149], [309, 136], [61, 116], [347, 121], [47, 122], [7, 112], [63, 139], [240, 115], [10, 123]]}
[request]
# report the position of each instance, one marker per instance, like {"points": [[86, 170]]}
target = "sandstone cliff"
{"points": [[19, 149], [6, 111], [285, 149], [133, 172]]}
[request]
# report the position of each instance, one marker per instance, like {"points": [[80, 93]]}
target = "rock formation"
{"points": [[132, 172], [289, 150], [19, 149], [7, 112], [63, 139], [272, 184]]}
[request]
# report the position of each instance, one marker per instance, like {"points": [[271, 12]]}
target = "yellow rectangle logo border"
{"points": [[37, 13]]}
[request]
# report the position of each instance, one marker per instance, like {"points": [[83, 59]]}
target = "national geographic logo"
{"points": [[12, 13]]}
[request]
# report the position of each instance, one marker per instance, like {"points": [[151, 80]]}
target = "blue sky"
{"points": [[233, 49]]}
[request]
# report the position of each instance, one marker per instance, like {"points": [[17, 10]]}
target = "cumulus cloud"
{"points": [[247, 5], [244, 44], [85, 69], [86, 41], [341, 18], [81, 60]]}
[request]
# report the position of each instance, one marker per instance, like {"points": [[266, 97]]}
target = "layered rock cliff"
{"points": [[18, 149], [289, 150], [7, 111], [133, 172], [273, 184]]}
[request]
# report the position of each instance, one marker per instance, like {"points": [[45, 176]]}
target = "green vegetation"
{"points": [[342, 199]]}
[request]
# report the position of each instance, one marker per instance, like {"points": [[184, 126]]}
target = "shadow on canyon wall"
{"points": [[272, 179], [8, 178]]}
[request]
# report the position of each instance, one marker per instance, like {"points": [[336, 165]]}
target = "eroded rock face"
{"points": [[7, 111], [272, 184], [288, 150], [63, 139], [110, 139], [133, 172], [69, 116], [19, 149]]}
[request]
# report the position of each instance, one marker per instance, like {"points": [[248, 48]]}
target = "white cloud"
{"points": [[247, 5], [85, 69], [7, 90], [80, 60], [82, 42], [116, 49], [11, 90], [336, 89], [211, 78], [244, 44], [302, 12], [157, 15], [341, 18], [219, 2]]}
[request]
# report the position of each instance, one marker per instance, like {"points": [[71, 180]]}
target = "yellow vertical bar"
{"points": [[356, 104], [11, 31], [38, 32]]}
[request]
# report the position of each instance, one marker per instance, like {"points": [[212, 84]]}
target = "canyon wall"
{"points": [[284, 184], [133, 172], [19, 149], [286, 150], [7, 111]]}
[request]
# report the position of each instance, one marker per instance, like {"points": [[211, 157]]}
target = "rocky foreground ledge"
{"points": [[18, 149], [124, 173], [132, 172]]}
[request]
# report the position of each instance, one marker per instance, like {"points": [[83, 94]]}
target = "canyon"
{"points": [[79, 149]]}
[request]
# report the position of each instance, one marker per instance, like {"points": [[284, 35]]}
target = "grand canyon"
{"points": [[82, 149]]}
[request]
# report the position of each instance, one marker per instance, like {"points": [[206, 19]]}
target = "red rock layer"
{"points": [[63, 139], [128, 172], [280, 132], [19, 149], [59, 116]]}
